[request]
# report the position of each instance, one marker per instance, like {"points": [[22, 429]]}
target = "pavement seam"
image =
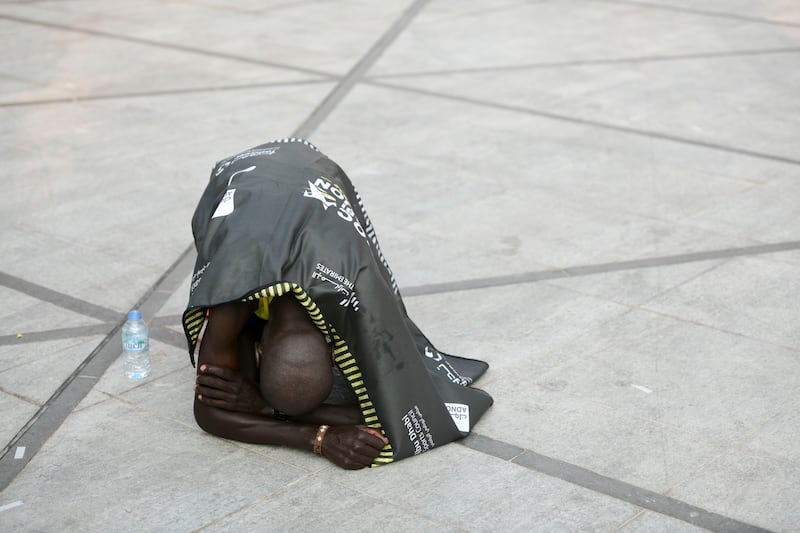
{"points": [[162, 45], [719, 262], [164, 334], [346, 84], [718, 442], [596, 268], [166, 92], [56, 334], [58, 298], [701, 12], [168, 336], [720, 329], [695, 143], [20, 397], [167, 320], [635, 516], [263, 498], [588, 479], [586, 63]]}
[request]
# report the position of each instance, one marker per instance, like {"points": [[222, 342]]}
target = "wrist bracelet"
{"points": [[319, 438]]}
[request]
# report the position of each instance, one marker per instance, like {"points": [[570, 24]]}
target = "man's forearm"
{"points": [[334, 415], [253, 428], [349, 446]]}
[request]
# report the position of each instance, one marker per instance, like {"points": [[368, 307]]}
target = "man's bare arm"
{"points": [[332, 414], [345, 444], [349, 446], [225, 323]]}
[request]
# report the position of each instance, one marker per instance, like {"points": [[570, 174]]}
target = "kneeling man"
{"points": [[296, 321]]}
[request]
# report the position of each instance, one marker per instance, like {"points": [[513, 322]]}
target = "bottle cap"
{"points": [[135, 315]]}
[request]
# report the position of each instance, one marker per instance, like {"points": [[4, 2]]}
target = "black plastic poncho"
{"points": [[283, 218]]}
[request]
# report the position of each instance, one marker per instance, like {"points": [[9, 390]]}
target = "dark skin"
{"points": [[231, 405]]}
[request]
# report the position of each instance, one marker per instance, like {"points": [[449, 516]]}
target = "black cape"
{"points": [[283, 218]]}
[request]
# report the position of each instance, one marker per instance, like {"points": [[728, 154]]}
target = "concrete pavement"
{"points": [[598, 197]]}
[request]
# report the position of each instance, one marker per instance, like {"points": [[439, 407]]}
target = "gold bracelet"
{"points": [[319, 438]]}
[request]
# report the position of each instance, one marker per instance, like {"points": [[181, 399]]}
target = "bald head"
{"points": [[295, 364]]}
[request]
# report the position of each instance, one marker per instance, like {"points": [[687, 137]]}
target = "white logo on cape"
{"points": [[327, 199], [460, 414], [445, 366], [340, 283], [244, 155], [197, 277], [225, 206], [249, 169], [330, 194], [418, 432]]}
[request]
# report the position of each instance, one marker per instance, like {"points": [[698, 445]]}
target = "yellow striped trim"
{"points": [[192, 323]]}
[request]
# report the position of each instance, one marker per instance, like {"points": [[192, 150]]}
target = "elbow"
{"points": [[229, 424], [205, 418]]}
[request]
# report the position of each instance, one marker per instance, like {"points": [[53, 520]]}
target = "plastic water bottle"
{"points": [[136, 346]]}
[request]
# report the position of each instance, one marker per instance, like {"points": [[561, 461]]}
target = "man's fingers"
{"points": [[353, 447], [213, 402], [210, 392], [371, 447], [378, 440], [364, 448], [219, 371], [353, 459], [210, 381], [216, 383], [377, 433]]}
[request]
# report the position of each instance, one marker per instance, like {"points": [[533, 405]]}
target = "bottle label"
{"points": [[134, 345]]}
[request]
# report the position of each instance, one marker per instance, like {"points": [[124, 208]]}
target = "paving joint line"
{"points": [[346, 84], [20, 397], [161, 323], [167, 320], [168, 336], [698, 323], [63, 300], [615, 488], [165, 92], [598, 268], [162, 45], [587, 62], [696, 143], [56, 334], [702, 12]]}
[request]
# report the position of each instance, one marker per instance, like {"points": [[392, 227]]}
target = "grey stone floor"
{"points": [[600, 198]]}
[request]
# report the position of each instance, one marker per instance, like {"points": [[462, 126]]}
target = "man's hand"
{"points": [[353, 447], [227, 389]]}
